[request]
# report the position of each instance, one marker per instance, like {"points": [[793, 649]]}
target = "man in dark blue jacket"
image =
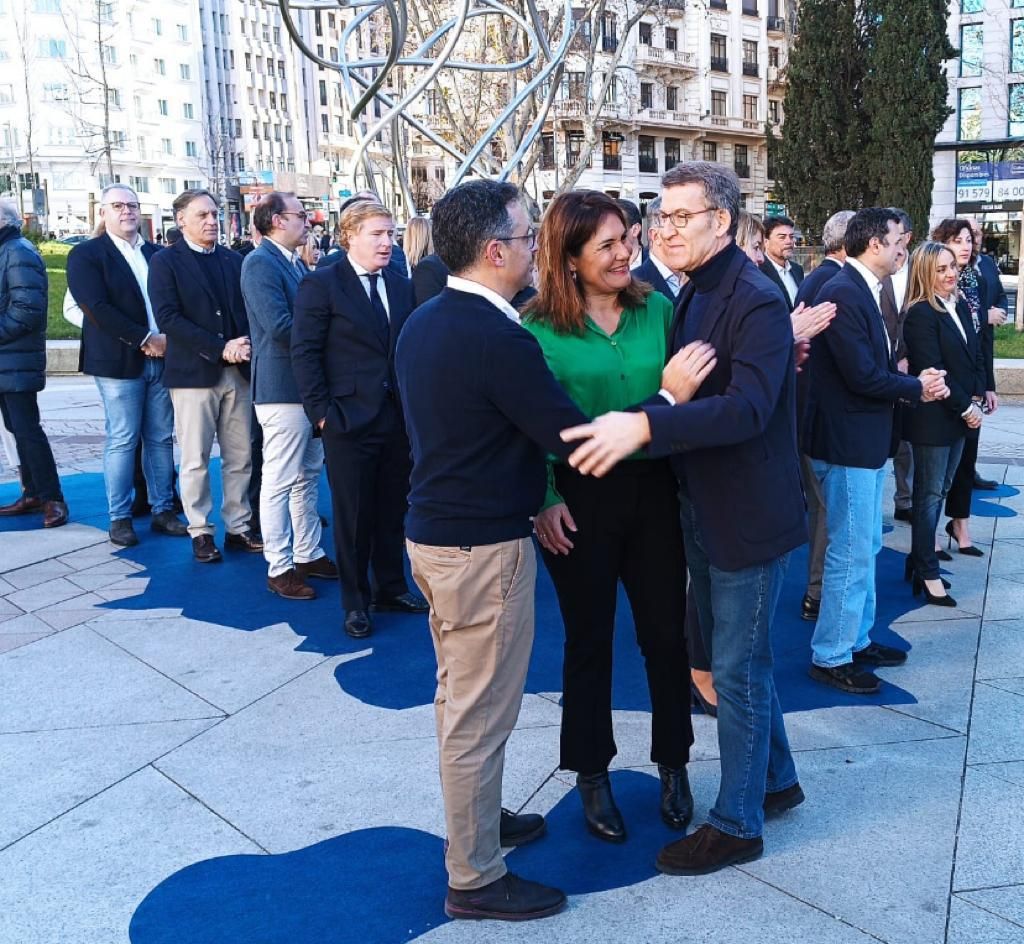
{"points": [[482, 410], [196, 293], [743, 507], [23, 297], [832, 235], [849, 430], [292, 457], [654, 270], [123, 349]]}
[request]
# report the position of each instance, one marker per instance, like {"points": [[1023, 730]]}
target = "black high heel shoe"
{"points": [[908, 574], [918, 587], [969, 551], [699, 701]]}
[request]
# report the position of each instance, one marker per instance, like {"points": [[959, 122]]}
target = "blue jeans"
{"points": [[736, 610], [853, 509], [134, 408], [934, 468]]}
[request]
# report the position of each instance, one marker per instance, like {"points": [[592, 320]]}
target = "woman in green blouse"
{"points": [[604, 336]]}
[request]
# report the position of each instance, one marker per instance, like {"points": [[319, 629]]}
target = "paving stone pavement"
{"points": [[185, 758]]}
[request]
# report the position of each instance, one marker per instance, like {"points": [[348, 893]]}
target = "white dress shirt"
{"points": [[364, 279], [876, 292], [670, 276], [950, 305], [292, 255], [132, 253], [195, 247], [475, 288], [899, 284], [786, 275]]}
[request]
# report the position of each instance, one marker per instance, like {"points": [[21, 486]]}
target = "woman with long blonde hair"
{"points": [[938, 333], [418, 241]]}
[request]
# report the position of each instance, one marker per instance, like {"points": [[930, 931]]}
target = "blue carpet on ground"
{"points": [[385, 885]]}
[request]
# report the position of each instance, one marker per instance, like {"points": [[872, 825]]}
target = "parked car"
{"points": [[74, 240]]}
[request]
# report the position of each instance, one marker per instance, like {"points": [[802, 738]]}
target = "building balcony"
{"points": [[657, 58], [719, 64], [569, 108], [662, 116], [776, 24], [776, 79], [750, 68], [744, 126]]}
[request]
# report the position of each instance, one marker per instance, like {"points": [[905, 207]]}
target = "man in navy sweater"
{"points": [[482, 411]]}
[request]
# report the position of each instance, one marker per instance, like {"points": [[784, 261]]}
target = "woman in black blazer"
{"points": [[939, 333], [958, 236]]}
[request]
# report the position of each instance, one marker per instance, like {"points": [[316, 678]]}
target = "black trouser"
{"points": [[628, 530], [958, 501], [368, 473], [39, 477], [700, 658]]}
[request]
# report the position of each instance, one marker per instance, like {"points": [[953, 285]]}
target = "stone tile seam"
{"points": [[90, 628], [811, 905], [116, 724], [12, 570], [995, 914], [208, 808], [110, 786]]}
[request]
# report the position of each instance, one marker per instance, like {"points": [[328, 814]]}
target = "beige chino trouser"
{"points": [[481, 624], [200, 413]]}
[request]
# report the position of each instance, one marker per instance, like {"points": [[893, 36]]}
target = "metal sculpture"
{"points": [[362, 80]]}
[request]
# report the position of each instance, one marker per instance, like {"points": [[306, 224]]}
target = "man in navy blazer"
{"points": [[832, 235], [123, 349], [654, 270], [735, 453], [397, 263], [347, 321], [849, 431], [292, 456], [779, 243], [195, 290]]}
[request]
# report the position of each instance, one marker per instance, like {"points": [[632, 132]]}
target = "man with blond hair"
{"points": [[346, 322]]}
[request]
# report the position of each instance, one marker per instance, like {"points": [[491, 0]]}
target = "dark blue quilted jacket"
{"points": [[22, 314]]}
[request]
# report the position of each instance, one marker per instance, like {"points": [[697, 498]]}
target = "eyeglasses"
{"points": [[530, 234], [679, 218], [301, 214], [119, 207]]}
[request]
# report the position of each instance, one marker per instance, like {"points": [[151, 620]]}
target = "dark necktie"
{"points": [[377, 304], [890, 313]]}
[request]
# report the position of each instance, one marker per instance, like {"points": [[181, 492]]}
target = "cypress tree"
{"points": [[904, 101], [824, 127]]}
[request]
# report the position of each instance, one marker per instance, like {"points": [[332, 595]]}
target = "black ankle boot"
{"points": [[602, 815], [676, 799]]}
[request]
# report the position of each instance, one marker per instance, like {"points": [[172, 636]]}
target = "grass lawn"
{"points": [[56, 257], [1009, 342]]}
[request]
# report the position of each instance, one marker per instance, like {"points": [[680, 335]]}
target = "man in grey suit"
{"points": [[292, 456]]}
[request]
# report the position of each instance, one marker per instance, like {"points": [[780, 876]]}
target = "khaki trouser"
{"points": [[224, 410], [481, 623]]}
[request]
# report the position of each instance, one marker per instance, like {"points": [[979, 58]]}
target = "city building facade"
{"points": [[979, 154]]}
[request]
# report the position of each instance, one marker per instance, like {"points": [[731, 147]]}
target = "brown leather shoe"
{"points": [[23, 506], [250, 541], [55, 513], [323, 568], [707, 850], [205, 550], [290, 586]]}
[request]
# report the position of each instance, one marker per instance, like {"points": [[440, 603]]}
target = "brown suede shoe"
{"points": [[290, 586], [55, 513], [250, 541], [205, 550], [707, 850], [23, 506], [322, 568]]}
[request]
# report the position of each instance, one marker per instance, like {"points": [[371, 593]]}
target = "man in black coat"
{"points": [[743, 511], [122, 347], [778, 253], [23, 302], [347, 321], [196, 294]]}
